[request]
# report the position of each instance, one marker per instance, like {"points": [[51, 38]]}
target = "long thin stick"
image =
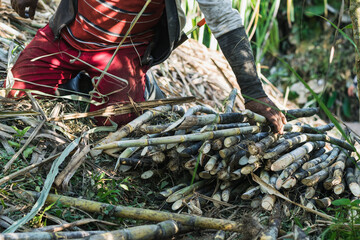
{"points": [[144, 214]]}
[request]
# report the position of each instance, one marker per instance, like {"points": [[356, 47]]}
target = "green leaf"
{"points": [[163, 184], [346, 107], [314, 10], [331, 100], [28, 151], [355, 202], [14, 144], [349, 26], [341, 202]]}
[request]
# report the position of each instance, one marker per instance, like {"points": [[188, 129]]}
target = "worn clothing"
{"points": [[74, 24], [108, 23], [47, 73]]}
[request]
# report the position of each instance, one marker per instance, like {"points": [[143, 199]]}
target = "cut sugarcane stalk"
{"points": [[352, 183], [220, 235], [229, 105], [300, 113], [193, 208], [288, 171], [261, 146], [147, 174], [215, 127], [190, 164], [310, 192], [250, 192], [317, 177], [323, 202], [202, 120], [217, 144], [158, 157], [211, 162], [232, 140], [171, 190], [225, 194], [268, 202], [246, 170], [289, 183], [235, 175], [272, 231], [253, 159], [285, 145], [217, 197], [134, 124], [181, 202], [315, 161], [296, 154], [265, 176], [166, 229], [339, 167], [244, 160], [205, 175], [181, 138], [339, 188], [185, 191]]}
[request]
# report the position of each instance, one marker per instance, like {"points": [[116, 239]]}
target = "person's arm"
{"points": [[20, 6], [226, 25]]}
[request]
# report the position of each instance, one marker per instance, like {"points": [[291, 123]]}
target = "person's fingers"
{"points": [[21, 11]]}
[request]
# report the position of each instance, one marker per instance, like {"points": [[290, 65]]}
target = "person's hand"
{"points": [[20, 6], [351, 90], [265, 107]]}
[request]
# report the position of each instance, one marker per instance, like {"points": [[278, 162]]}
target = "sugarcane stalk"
{"points": [[254, 158], [128, 152], [144, 214], [215, 127], [308, 172], [288, 171], [232, 140], [272, 232], [326, 138], [224, 174], [300, 113], [190, 164], [327, 184], [317, 177], [318, 153], [352, 183], [265, 176], [211, 162], [134, 124], [315, 161], [205, 175], [261, 146], [356, 172], [171, 190], [217, 197], [48, 235], [185, 191], [285, 145], [149, 129], [339, 188], [225, 194], [307, 128], [162, 230], [246, 170], [244, 160], [229, 105], [181, 202], [191, 150], [158, 157], [181, 138], [289, 183], [189, 112], [250, 192], [217, 168], [202, 120], [226, 152], [296, 154], [310, 192], [254, 116], [141, 162], [268, 202], [323, 202], [339, 167], [217, 144]]}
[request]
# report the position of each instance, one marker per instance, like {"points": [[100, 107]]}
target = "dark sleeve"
{"points": [[236, 48]]}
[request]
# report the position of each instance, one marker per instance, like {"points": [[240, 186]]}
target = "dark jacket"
{"points": [[168, 31]]}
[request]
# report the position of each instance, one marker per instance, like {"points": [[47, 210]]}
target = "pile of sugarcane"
{"points": [[220, 150]]}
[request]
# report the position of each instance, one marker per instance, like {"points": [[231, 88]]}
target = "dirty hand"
{"points": [[269, 111], [20, 6]]}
